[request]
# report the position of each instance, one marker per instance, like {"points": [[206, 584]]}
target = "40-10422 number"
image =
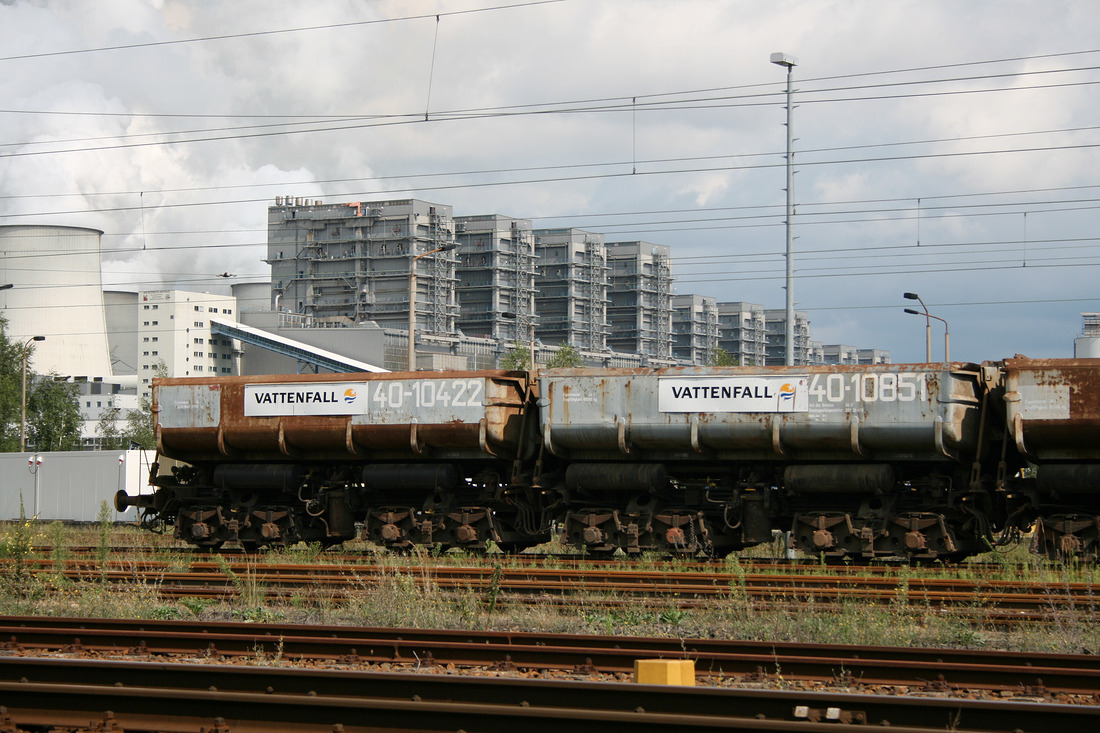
{"points": [[429, 393], [885, 387]]}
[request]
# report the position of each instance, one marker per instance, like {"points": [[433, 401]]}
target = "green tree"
{"points": [[53, 414], [11, 389], [565, 357], [720, 357], [517, 358], [53, 407]]}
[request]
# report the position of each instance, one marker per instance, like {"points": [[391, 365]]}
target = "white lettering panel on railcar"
{"points": [[278, 400], [733, 394], [386, 401]]}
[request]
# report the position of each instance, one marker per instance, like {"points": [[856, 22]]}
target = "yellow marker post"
{"points": [[665, 672]]}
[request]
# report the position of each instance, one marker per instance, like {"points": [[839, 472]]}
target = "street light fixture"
{"points": [[412, 300], [788, 61], [23, 423], [928, 329]]}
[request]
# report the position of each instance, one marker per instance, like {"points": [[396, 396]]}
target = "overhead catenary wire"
{"points": [[591, 177], [274, 32], [600, 105]]}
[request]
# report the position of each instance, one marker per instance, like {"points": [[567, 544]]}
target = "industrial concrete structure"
{"points": [[350, 263], [571, 288], [694, 328], [56, 292], [639, 312], [121, 308], [252, 297], [1087, 345], [496, 277]]}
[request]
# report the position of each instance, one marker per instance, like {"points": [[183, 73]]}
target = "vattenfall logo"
{"points": [[786, 392], [350, 395]]}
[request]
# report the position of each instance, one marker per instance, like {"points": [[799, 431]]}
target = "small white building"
{"points": [[174, 335]]}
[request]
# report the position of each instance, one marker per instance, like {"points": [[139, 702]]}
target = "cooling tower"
{"points": [[56, 291]]}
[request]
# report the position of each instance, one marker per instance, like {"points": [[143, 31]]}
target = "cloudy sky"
{"points": [[944, 147]]}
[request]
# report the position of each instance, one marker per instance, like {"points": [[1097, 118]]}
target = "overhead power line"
{"points": [[281, 31]]}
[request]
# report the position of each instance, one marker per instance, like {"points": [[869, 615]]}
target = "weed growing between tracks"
{"points": [[397, 597], [400, 591]]}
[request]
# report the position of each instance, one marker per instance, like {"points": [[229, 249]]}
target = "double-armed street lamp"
{"points": [[23, 423], [412, 300], [928, 329]]}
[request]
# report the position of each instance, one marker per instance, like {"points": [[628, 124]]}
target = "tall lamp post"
{"points": [[23, 423], [788, 61], [928, 329], [412, 300]]}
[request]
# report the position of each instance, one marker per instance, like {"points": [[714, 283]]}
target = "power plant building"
{"points": [[775, 324], [349, 263], [572, 288], [493, 278], [640, 300], [742, 333], [694, 328], [496, 277]]}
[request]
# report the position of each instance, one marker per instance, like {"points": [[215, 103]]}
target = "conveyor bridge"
{"points": [[304, 353]]}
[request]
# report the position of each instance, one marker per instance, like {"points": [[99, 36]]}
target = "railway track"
{"points": [[969, 568], [84, 695], [1011, 599], [720, 662]]}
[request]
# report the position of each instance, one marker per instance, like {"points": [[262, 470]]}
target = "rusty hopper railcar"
{"points": [[864, 461], [412, 458], [1052, 407], [924, 461]]}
